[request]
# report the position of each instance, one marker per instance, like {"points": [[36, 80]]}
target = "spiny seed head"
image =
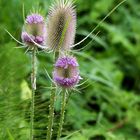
{"points": [[61, 25], [66, 72], [34, 29]]}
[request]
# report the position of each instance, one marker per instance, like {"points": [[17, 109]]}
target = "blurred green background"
{"points": [[107, 106]]}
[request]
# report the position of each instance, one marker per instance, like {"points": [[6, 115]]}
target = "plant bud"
{"points": [[66, 72], [61, 25]]}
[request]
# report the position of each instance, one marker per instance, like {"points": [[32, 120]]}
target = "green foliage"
{"points": [[106, 106]]}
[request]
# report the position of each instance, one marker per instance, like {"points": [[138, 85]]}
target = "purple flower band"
{"points": [[28, 39], [34, 18], [67, 82], [64, 62]]}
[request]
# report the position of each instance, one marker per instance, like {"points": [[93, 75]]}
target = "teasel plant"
{"points": [[33, 37], [34, 31], [66, 76], [61, 29]]}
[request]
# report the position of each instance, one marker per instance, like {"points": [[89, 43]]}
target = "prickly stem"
{"points": [[51, 115], [62, 114], [33, 82]]}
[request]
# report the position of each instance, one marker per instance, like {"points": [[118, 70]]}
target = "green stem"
{"points": [[51, 114], [51, 107], [33, 82], [62, 114]]}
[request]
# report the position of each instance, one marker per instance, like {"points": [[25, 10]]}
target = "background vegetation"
{"points": [[107, 105]]}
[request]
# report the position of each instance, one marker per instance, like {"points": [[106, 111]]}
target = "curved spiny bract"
{"points": [[61, 25]]}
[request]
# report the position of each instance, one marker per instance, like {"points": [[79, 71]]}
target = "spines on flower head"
{"points": [[61, 25], [66, 72], [34, 30]]}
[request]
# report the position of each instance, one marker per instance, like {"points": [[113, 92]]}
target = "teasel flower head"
{"points": [[34, 30], [61, 25], [66, 72]]}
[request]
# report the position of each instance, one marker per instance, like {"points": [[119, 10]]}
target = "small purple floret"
{"points": [[64, 62], [34, 19], [67, 82], [28, 39], [66, 73]]}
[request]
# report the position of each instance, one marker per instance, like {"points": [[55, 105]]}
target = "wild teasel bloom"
{"points": [[61, 25], [66, 72], [34, 30]]}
